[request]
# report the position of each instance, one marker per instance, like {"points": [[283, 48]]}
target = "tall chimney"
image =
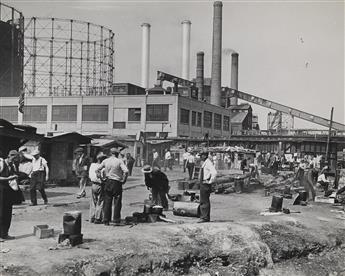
{"points": [[216, 74], [145, 55], [200, 75], [234, 77], [186, 26]]}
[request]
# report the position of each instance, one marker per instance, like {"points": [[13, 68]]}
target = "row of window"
{"points": [[90, 113], [197, 118]]}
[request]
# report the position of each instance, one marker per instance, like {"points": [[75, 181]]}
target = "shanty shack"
{"points": [[14, 136]]}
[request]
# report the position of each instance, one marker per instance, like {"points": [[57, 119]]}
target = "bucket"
{"points": [[277, 204], [72, 223]]}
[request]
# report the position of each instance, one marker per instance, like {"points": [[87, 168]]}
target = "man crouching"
{"points": [[158, 182]]}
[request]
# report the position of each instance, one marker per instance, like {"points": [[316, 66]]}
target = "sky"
{"points": [[291, 52]]}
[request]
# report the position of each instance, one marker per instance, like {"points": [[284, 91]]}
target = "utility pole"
{"points": [[329, 137]]}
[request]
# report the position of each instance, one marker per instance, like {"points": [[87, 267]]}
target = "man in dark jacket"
{"points": [[7, 173], [158, 182], [81, 165]]}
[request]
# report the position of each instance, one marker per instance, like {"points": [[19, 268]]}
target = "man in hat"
{"points": [[96, 203], [158, 182], [7, 173], [155, 159], [81, 166], [116, 174], [40, 174], [208, 175]]}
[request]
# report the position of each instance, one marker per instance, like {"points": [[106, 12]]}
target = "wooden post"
{"points": [[329, 137]]}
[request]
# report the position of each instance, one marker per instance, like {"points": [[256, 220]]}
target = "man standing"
{"points": [[40, 174], [185, 157], [155, 159], [190, 165], [116, 174], [81, 166], [96, 202], [7, 173], [158, 182], [167, 160], [130, 163], [208, 175]]}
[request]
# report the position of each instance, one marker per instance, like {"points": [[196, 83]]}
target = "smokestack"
{"points": [[145, 55], [216, 74], [234, 76], [200, 75], [186, 26]]}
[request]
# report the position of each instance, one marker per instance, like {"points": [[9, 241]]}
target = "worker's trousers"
{"points": [[205, 204], [5, 210], [96, 202], [112, 190]]}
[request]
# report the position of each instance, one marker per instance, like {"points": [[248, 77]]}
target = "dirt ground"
{"points": [[238, 240]]}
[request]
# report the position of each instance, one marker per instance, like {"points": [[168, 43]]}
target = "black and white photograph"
{"points": [[172, 137]]}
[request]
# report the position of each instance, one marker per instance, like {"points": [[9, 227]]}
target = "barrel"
{"points": [[72, 223], [186, 209], [277, 203]]}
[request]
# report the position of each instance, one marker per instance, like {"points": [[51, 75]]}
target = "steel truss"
{"points": [[15, 18], [67, 58]]}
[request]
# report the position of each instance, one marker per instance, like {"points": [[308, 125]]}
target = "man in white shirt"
{"points": [[167, 160], [208, 175], [190, 165], [155, 159], [185, 157], [116, 174], [40, 174], [322, 179]]}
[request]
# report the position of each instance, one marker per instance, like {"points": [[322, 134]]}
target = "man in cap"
{"points": [[81, 166], [96, 203], [40, 174], [116, 174], [208, 175], [7, 173], [158, 182]]}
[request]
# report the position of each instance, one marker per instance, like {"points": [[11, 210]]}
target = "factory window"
{"points": [[226, 123], [95, 113], [119, 125], [134, 114], [184, 116], [157, 112], [9, 113], [198, 122], [64, 113], [207, 119], [193, 118], [217, 121], [35, 113]]}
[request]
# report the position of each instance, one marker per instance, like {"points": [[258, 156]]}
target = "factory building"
{"points": [[156, 115]]}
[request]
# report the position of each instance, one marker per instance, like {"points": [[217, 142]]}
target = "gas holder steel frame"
{"points": [[66, 57]]}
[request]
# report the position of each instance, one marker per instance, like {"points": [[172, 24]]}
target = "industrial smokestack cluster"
{"points": [[216, 73], [216, 70], [145, 55], [186, 28]]}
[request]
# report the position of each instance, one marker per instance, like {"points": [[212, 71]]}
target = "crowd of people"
{"points": [[108, 174]]}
